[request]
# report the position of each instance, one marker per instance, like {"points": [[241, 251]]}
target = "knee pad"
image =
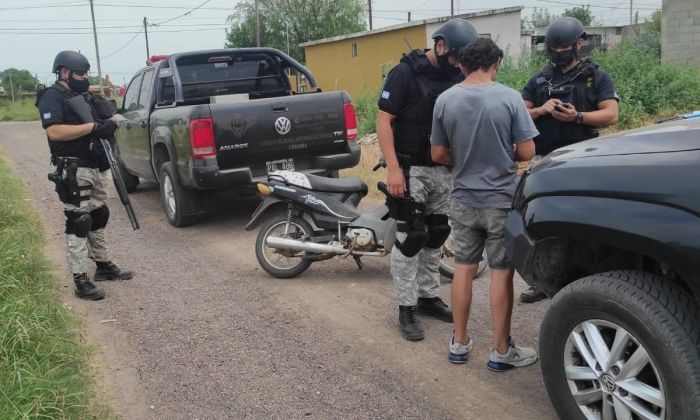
{"points": [[438, 230], [414, 242], [78, 224], [99, 216]]}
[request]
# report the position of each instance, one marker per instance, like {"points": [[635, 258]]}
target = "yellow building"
{"points": [[359, 62]]}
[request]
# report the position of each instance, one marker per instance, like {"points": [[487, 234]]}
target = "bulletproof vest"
{"points": [[79, 148], [576, 87], [413, 125]]}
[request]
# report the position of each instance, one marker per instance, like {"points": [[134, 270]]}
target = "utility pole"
{"points": [[452, 8], [257, 23], [12, 89], [97, 49], [636, 17], [370, 14], [145, 30], [631, 12], [287, 26], [409, 16]]}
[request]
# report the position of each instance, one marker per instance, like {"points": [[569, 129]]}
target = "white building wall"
{"points": [[503, 28]]}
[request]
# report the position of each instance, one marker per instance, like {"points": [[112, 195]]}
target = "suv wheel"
{"points": [[622, 345], [183, 206]]}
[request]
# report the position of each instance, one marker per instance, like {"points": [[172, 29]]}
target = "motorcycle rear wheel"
{"points": [[283, 264], [447, 261]]}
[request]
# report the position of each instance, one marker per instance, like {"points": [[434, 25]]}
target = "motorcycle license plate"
{"points": [[280, 165]]}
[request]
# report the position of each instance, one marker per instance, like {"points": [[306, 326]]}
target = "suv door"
{"points": [[140, 133], [125, 135]]}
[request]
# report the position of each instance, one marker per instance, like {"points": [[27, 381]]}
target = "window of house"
{"points": [[354, 49]]}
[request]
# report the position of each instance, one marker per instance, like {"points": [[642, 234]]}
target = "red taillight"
{"points": [[202, 138], [350, 121]]}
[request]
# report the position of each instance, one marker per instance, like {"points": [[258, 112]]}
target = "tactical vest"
{"points": [[578, 89], [413, 126]]}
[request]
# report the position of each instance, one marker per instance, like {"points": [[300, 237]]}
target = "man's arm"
{"points": [[65, 132], [385, 137], [540, 111], [441, 155], [524, 150], [606, 115]]}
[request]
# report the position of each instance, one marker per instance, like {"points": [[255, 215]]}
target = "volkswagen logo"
{"points": [[283, 125], [608, 382]]}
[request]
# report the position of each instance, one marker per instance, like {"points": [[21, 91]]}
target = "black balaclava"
{"points": [[77, 86], [561, 59]]}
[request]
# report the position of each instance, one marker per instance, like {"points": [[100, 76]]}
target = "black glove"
{"points": [[105, 129]]}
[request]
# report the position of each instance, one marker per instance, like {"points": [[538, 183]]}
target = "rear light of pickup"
{"points": [[202, 138], [350, 121]]}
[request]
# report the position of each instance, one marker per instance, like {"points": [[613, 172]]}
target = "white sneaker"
{"points": [[514, 357], [459, 353]]}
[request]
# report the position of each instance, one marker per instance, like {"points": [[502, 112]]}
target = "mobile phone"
{"points": [[562, 106]]}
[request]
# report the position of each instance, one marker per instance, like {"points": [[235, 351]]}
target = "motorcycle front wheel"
{"points": [[282, 263], [447, 260]]}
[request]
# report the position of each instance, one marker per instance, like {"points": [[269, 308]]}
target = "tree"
{"points": [[582, 13], [290, 22], [541, 18], [22, 81]]}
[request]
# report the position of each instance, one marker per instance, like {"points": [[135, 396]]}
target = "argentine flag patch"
{"points": [[47, 115], [385, 94]]}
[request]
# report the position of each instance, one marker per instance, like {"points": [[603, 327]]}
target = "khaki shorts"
{"points": [[474, 228]]}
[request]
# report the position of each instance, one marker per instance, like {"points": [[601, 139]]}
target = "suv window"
{"points": [[224, 74], [132, 93], [146, 86]]}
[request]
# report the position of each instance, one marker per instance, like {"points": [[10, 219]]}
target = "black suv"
{"points": [[610, 229]]}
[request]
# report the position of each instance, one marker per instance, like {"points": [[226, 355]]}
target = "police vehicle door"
{"points": [[140, 133], [125, 134]]}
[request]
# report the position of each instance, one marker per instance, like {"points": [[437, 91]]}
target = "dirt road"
{"points": [[203, 332]]}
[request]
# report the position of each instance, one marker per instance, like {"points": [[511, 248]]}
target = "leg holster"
{"points": [[438, 230], [99, 217], [409, 217], [78, 224]]}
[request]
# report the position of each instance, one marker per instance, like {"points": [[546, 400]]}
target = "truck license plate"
{"points": [[280, 165]]}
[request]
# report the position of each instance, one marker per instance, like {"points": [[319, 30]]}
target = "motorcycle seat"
{"points": [[324, 184]]}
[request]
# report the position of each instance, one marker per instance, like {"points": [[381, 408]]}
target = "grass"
{"points": [[21, 110], [43, 363], [370, 157]]}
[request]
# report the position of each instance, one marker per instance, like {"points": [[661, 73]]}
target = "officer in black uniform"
{"points": [[79, 168], [404, 123], [569, 100]]}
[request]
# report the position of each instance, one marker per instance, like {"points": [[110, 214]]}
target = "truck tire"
{"points": [[622, 344], [282, 264], [183, 206]]}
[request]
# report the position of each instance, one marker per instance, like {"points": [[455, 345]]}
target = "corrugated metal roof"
{"points": [[411, 24]]}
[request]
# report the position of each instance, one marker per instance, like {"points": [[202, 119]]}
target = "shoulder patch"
{"points": [[47, 115], [386, 94]]}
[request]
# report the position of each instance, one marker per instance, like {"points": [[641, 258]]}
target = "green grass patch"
{"points": [[20, 110], [43, 363]]}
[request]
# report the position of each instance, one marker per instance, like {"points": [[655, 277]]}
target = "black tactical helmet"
{"points": [[564, 31], [72, 60], [456, 33]]}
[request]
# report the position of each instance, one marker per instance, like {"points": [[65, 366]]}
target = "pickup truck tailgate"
{"points": [[254, 132]]}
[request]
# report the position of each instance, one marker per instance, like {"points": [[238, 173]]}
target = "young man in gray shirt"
{"points": [[480, 129]]}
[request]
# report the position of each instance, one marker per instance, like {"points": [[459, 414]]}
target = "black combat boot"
{"points": [[532, 295], [434, 307], [411, 328], [84, 288], [107, 270]]}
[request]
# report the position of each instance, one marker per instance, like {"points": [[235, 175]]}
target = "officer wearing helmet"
{"points": [[569, 100], [79, 170], [404, 124]]}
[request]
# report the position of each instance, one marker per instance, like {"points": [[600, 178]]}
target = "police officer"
{"points": [[79, 169], [569, 100], [404, 123]]}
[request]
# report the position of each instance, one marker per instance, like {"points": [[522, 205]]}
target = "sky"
{"points": [[33, 31]]}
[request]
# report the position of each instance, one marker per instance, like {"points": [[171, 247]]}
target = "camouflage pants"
{"points": [[418, 275], [93, 194]]}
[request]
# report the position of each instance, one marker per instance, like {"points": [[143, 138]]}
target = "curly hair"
{"points": [[480, 54]]}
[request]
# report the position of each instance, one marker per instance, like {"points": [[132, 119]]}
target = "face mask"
{"points": [[562, 59], [78, 86]]}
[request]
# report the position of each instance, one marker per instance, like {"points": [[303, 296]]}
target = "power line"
{"points": [[115, 27], [594, 5], [184, 14], [109, 33], [123, 46]]}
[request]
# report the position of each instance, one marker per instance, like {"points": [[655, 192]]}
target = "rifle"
{"points": [[81, 108]]}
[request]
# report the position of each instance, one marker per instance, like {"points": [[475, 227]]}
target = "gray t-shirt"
{"points": [[480, 124]]}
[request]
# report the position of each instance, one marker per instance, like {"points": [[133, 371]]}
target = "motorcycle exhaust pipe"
{"points": [[296, 245]]}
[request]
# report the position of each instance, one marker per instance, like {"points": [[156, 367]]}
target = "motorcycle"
{"points": [[308, 218]]}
